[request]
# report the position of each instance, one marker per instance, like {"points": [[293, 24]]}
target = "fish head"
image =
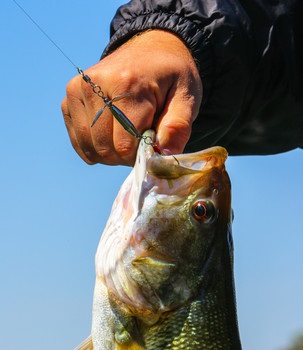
{"points": [[168, 226]]}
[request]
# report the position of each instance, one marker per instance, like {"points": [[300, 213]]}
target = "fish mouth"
{"points": [[156, 164], [175, 166], [172, 176]]}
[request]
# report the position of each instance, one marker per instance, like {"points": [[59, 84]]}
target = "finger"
{"points": [[174, 126], [140, 110], [102, 132], [102, 136], [71, 131], [77, 92]]}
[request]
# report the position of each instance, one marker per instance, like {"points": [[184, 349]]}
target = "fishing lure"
{"points": [[116, 112]]}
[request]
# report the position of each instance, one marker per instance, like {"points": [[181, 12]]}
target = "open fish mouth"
{"points": [[170, 176], [175, 166]]}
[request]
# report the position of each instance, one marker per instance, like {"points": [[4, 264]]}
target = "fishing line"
{"points": [[44, 33], [117, 113]]}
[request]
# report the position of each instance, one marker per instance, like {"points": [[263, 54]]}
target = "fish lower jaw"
{"points": [[141, 310], [142, 295]]}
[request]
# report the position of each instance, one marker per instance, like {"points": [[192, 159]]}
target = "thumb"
{"points": [[174, 126]]}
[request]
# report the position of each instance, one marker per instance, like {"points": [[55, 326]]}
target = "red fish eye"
{"points": [[203, 211]]}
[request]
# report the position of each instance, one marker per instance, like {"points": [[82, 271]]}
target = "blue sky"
{"points": [[53, 206]]}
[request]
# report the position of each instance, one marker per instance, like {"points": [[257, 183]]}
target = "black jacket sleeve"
{"points": [[250, 58]]}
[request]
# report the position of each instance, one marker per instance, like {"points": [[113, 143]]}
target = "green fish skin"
{"points": [[164, 265]]}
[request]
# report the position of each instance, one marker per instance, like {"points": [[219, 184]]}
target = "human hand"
{"points": [[166, 91]]}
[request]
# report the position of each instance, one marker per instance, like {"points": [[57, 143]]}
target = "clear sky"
{"points": [[53, 207]]}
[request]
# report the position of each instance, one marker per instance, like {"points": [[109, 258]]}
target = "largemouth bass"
{"points": [[164, 265]]}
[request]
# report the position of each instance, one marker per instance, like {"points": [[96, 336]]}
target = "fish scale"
{"points": [[191, 327]]}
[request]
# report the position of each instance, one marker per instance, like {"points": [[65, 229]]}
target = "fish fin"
{"points": [[87, 344]]}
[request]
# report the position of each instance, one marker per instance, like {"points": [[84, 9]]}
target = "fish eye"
{"points": [[203, 211]]}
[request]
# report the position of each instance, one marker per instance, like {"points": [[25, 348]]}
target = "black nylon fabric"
{"points": [[250, 58]]}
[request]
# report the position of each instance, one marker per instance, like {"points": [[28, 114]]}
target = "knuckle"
{"points": [[72, 86], [89, 157], [64, 109], [105, 155], [125, 81], [180, 124], [126, 151]]}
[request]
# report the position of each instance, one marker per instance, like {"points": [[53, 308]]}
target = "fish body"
{"points": [[164, 265]]}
